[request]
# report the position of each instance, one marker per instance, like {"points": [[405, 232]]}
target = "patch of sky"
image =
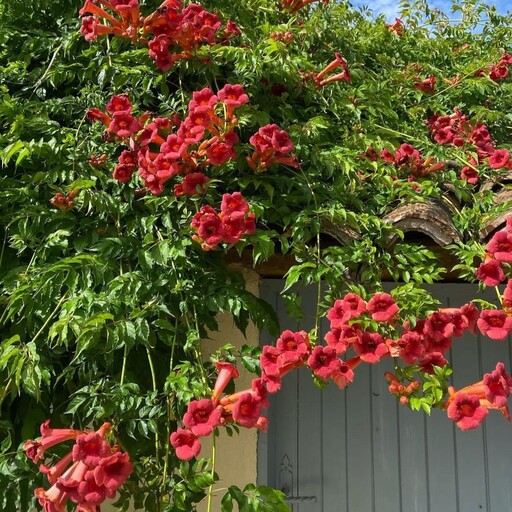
{"points": [[391, 8]]}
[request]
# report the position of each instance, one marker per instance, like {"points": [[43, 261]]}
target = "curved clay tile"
{"points": [[498, 222], [506, 177], [430, 217], [341, 232]]}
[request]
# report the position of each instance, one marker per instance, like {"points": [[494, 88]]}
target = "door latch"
{"points": [[296, 499]]}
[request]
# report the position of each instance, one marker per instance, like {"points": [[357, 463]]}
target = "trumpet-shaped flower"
{"points": [[500, 246], [382, 307], [186, 444], [345, 373], [324, 361], [471, 313], [226, 372], [233, 96], [465, 410], [343, 310], [269, 360], [202, 417], [490, 273], [497, 386], [371, 347], [495, 324], [112, 471], [90, 448], [50, 437], [294, 346], [412, 347], [52, 500], [342, 337], [247, 410]]}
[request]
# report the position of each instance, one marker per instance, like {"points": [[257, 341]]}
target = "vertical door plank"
{"points": [[498, 432], [361, 496], [310, 443], [469, 445], [440, 437], [310, 422], [285, 407], [413, 462], [335, 468], [267, 463], [441, 470], [385, 441], [334, 428]]}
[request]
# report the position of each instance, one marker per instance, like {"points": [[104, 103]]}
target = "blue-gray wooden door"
{"points": [[358, 450]]}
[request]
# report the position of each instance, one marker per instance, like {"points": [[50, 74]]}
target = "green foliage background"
{"points": [[102, 307]]}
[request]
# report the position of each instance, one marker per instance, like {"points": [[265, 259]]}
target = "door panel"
{"points": [[358, 450]]}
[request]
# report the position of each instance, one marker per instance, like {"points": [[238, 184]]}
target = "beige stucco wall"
{"points": [[236, 457]]}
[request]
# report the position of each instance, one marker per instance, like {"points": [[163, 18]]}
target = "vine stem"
{"points": [[498, 293], [155, 389], [318, 257], [125, 353], [319, 287], [123, 368], [3, 248], [31, 262], [198, 351], [48, 320], [210, 489], [47, 70], [6, 390], [169, 411], [167, 445]]}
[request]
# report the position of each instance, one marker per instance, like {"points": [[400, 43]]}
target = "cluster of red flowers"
{"points": [[408, 161], [426, 85], [273, 146], [90, 473], [292, 350], [397, 27], [205, 137], [204, 415], [456, 129], [398, 389], [233, 222], [296, 5], [499, 71], [177, 31], [422, 345], [64, 201], [320, 78], [126, 25], [491, 272], [98, 161], [469, 406], [284, 37]]}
